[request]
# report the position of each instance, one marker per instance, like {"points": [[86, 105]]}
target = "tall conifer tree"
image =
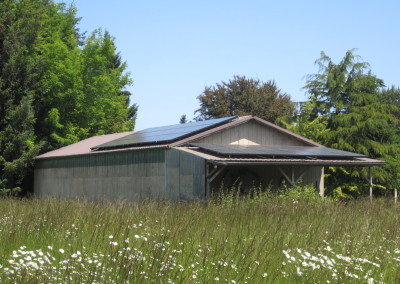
{"points": [[345, 101], [19, 75]]}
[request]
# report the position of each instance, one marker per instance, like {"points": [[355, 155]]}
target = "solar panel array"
{"points": [[275, 151], [163, 134]]}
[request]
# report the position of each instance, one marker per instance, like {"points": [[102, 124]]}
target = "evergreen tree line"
{"points": [[348, 108], [56, 85]]}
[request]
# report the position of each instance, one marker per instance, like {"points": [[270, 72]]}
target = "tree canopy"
{"points": [[56, 87], [183, 119], [242, 96], [346, 111]]}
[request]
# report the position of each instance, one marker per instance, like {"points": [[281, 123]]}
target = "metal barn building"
{"points": [[187, 161]]}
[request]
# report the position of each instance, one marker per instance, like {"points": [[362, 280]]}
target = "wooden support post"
{"points": [[322, 183], [369, 180], [370, 183], [210, 176], [395, 196], [293, 179], [207, 193]]}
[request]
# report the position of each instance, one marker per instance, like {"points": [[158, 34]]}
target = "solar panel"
{"points": [[275, 151], [163, 134]]}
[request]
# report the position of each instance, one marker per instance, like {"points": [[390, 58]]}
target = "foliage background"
{"points": [[242, 96], [349, 109], [56, 85], [59, 85]]}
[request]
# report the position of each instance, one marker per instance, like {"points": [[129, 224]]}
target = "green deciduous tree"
{"points": [[56, 87], [105, 107], [242, 96], [61, 84]]}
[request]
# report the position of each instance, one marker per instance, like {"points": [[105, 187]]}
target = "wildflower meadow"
{"points": [[246, 240]]}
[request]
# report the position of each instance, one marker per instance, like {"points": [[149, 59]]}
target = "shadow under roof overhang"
{"points": [[362, 162], [278, 155]]}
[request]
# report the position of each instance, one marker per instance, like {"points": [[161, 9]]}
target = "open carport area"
{"points": [[273, 166]]}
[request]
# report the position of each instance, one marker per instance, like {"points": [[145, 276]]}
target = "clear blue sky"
{"points": [[176, 48]]}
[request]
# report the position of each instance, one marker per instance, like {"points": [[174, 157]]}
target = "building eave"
{"points": [[105, 151], [214, 159]]}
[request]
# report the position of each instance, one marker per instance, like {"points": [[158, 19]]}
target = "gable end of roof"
{"points": [[242, 120]]}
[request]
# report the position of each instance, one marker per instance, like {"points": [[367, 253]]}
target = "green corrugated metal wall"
{"points": [[185, 175], [132, 175], [104, 159]]}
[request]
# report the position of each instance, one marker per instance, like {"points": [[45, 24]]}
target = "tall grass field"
{"points": [[243, 240]]}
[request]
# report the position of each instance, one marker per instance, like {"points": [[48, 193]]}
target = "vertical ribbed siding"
{"points": [[185, 175], [131, 175]]}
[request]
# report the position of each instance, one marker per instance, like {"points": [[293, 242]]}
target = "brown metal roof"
{"points": [[83, 147], [362, 161]]}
